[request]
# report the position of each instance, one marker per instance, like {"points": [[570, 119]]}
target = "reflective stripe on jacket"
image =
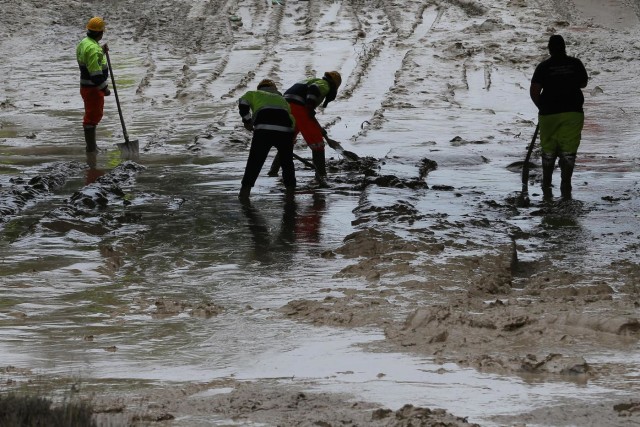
{"points": [[267, 110], [93, 64], [308, 92]]}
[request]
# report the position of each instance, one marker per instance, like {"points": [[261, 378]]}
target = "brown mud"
{"points": [[145, 288]]}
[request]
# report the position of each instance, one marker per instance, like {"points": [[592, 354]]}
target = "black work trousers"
{"points": [[261, 144]]}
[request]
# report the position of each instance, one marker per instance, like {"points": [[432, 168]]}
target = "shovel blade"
{"points": [[350, 155], [129, 150]]}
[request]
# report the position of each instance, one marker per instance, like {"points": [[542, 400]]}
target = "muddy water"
{"points": [[148, 273]]}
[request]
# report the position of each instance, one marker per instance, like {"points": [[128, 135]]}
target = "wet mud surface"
{"points": [[418, 289]]}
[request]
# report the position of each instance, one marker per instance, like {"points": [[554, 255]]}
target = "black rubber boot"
{"points": [[321, 167], [548, 164], [275, 166], [567, 162], [290, 192], [90, 139], [245, 192]]}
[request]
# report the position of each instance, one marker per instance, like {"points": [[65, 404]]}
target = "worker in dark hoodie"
{"points": [[265, 112], [556, 89]]}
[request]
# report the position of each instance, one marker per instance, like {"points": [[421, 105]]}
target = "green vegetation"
{"points": [[32, 411]]}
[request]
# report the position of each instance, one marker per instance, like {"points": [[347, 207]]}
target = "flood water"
{"points": [[149, 271]]}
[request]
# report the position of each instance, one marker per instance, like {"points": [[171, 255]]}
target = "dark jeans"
{"points": [[261, 144]]}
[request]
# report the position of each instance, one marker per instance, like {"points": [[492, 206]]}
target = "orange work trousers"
{"points": [[93, 105], [308, 126]]}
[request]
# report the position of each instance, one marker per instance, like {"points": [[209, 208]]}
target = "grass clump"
{"points": [[35, 411]]}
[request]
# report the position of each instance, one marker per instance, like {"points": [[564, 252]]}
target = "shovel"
{"points": [[130, 147], [524, 196], [349, 155], [305, 161]]}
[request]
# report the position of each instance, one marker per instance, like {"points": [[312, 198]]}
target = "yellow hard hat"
{"points": [[267, 82], [335, 77], [95, 24]]}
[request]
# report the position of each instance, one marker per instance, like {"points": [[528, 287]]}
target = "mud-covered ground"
{"points": [[421, 288]]}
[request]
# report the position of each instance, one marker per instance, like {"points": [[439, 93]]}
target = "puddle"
{"points": [[134, 275]]}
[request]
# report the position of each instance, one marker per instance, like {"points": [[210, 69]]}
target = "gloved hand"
{"points": [[105, 48], [248, 125], [106, 91]]}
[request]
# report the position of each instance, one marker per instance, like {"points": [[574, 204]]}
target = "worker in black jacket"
{"points": [[556, 89]]}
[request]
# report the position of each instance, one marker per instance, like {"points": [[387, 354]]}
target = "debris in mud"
{"points": [[365, 165], [107, 188], [394, 182], [13, 199], [458, 141], [426, 166], [555, 364], [15, 370], [628, 408], [442, 187], [168, 308], [613, 199], [399, 212], [351, 310], [7, 104], [516, 167], [410, 414], [153, 416], [274, 405]]}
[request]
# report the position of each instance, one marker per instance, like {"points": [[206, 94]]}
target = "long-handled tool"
{"points": [[349, 155], [305, 161], [524, 196], [129, 146]]}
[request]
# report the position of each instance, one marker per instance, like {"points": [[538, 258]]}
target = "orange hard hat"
{"points": [[335, 77], [95, 24]]}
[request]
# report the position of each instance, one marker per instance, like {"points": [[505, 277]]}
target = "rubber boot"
{"points": [[90, 139], [275, 166], [321, 168], [548, 164], [567, 162], [290, 192], [245, 192]]}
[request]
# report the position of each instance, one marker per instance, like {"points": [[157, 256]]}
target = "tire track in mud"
{"points": [[267, 21], [190, 42], [378, 204], [387, 86], [268, 58]]}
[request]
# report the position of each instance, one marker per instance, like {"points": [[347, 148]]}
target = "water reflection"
{"points": [[267, 249], [92, 173], [298, 225], [113, 159], [308, 224]]}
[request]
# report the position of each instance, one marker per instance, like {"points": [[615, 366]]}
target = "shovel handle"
{"points": [[305, 161], [115, 92], [525, 165]]}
